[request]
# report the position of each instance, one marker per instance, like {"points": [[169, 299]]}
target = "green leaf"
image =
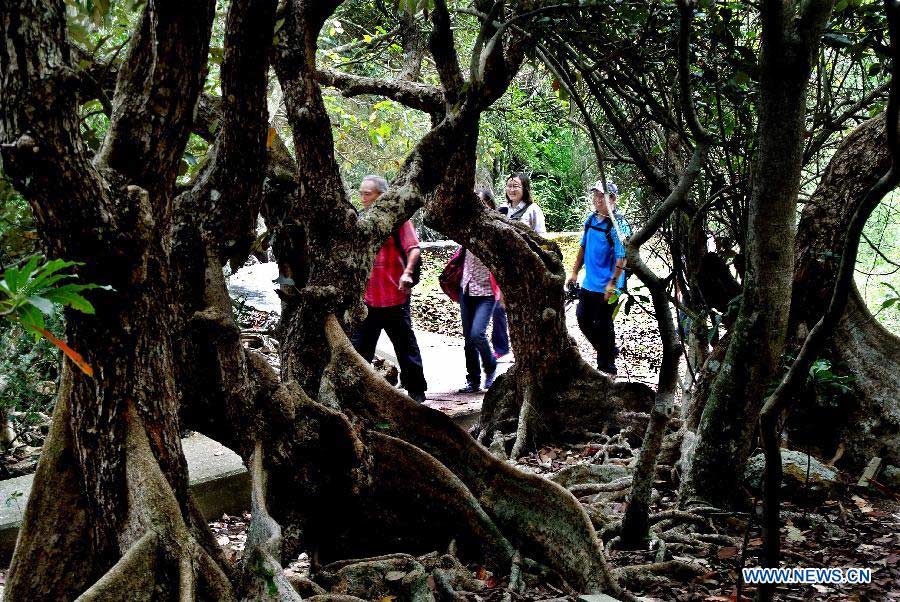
{"points": [[46, 275], [44, 305], [10, 280], [217, 55], [31, 317], [69, 295], [617, 307], [18, 278]]}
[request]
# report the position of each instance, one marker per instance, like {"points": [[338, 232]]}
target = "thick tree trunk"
{"points": [[866, 422], [758, 335], [318, 245], [121, 500]]}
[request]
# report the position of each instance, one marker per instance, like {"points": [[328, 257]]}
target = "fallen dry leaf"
{"points": [[794, 534], [726, 553], [862, 504]]}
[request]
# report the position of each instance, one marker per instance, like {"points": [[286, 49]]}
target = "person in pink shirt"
{"points": [[387, 298]]}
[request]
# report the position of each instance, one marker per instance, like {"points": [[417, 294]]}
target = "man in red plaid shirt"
{"points": [[387, 298]]}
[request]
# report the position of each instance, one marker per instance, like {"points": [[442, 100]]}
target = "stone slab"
{"points": [[218, 479]]}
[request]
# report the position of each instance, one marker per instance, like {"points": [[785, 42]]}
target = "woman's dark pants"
{"points": [[476, 313], [499, 332]]}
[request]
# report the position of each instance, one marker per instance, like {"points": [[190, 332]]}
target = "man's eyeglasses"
{"points": [[513, 186]]}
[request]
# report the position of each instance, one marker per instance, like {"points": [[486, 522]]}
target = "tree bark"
{"points": [[791, 34], [869, 425], [122, 499]]}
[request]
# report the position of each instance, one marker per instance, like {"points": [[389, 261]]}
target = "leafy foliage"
{"points": [[17, 235], [877, 267], [30, 292]]}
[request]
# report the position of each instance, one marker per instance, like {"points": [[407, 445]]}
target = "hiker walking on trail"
{"points": [[602, 253], [520, 206], [387, 297], [478, 297]]}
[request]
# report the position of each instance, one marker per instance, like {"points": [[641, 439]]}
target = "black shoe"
{"points": [[611, 369], [470, 388], [418, 397]]}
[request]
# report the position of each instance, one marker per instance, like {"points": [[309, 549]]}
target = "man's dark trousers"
{"points": [[396, 322], [595, 319]]}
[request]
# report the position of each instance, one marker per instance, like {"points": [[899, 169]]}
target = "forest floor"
{"points": [[855, 528]]}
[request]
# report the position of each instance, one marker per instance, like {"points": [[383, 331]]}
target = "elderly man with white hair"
{"points": [[387, 297], [602, 253]]}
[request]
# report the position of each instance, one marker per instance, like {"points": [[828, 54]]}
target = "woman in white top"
{"points": [[519, 205]]}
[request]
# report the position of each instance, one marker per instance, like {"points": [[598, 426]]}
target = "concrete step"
{"points": [[218, 480]]}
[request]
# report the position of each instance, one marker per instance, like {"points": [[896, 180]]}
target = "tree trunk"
{"points": [[758, 335], [866, 422], [121, 500], [566, 396]]}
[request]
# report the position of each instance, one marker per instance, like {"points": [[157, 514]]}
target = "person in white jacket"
{"points": [[521, 206]]}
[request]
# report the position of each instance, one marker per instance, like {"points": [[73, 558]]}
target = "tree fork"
{"points": [[791, 34]]}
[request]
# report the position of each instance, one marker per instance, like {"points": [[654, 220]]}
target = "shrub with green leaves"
{"points": [[34, 290]]}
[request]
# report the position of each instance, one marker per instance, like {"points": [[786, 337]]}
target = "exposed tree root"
{"points": [[403, 470], [399, 575], [668, 526], [526, 418], [164, 556], [642, 575], [516, 582], [452, 571], [579, 401], [263, 577], [538, 516], [133, 576], [579, 474], [589, 488], [56, 511]]}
